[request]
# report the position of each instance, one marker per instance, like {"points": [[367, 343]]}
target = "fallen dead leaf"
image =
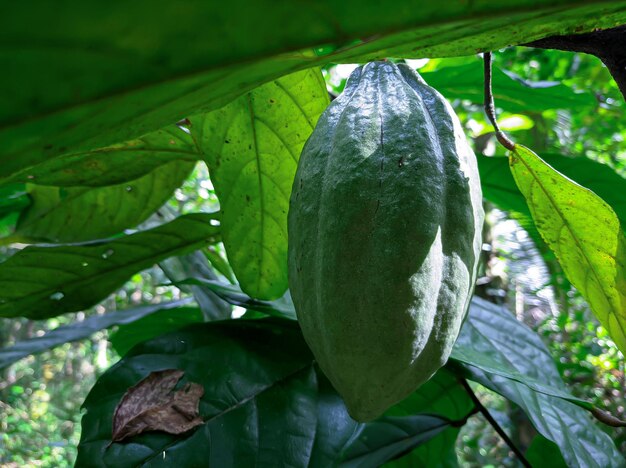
{"points": [[153, 405]]}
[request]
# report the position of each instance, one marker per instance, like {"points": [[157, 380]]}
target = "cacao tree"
{"points": [[322, 290]]}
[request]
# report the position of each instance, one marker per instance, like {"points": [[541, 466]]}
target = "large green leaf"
{"points": [[442, 395], [264, 404], [153, 325], [510, 93], [76, 214], [400, 430], [82, 76], [542, 452], [584, 233], [13, 198], [84, 329], [252, 147], [492, 331], [383, 439], [232, 294], [39, 282], [196, 264], [114, 164]]}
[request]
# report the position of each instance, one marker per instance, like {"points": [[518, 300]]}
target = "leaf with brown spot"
{"points": [[152, 405]]}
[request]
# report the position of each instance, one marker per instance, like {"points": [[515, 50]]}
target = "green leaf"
{"points": [[583, 232], [439, 452], [264, 404], [335, 427], [543, 452], [13, 198], [492, 353], [114, 164], [492, 331], [252, 147], [76, 214], [387, 437], [338, 433], [95, 76], [442, 395], [153, 325], [281, 308], [81, 330], [259, 400], [39, 282], [511, 93], [196, 264]]}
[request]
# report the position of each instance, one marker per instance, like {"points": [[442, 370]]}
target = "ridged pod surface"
{"points": [[385, 226]]}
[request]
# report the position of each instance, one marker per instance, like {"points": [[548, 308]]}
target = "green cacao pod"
{"points": [[384, 236]]}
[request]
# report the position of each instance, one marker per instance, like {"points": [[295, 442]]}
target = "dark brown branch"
{"points": [[490, 108], [608, 45], [607, 418], [485, 412]]}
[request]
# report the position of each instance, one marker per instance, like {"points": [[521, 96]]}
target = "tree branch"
{"points": [[607, 418], [485, 412], [608, 45]]}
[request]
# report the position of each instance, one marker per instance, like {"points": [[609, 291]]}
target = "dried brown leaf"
{"points": [[153, 405]]}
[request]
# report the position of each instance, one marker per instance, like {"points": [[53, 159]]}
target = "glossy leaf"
{"points": [[76, 214], [13, 198], [153, 325], [492, 331], [84, 329], [252, 147], [384, 438], [511, 93], [95, 76], [533, 368], [261, 405], [39, 282], [281, 308], [251, 374], [335, 428], [583, 232], [195, 264], [543, 452], [442, 395]]}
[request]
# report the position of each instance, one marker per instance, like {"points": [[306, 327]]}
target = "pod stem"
{"points": [[485, 412], [490, 107]]}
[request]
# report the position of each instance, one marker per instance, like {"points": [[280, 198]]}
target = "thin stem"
{"points": [[485, 412], [490, 107]]}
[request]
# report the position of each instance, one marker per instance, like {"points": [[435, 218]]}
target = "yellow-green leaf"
{"points": [[584, 233], [252, 147], [75, 214]]}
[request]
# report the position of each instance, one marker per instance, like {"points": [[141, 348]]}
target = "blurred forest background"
{"points": [[582, 116]]}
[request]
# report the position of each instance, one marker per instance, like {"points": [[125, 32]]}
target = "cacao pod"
{"points": [[384, 236]]}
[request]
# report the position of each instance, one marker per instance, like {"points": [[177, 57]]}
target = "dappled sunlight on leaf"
{"points": [[584, 233]]}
